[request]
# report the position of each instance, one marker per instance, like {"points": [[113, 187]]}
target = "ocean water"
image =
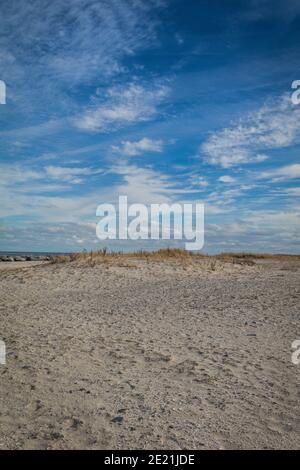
{"points": [[29, 253]]}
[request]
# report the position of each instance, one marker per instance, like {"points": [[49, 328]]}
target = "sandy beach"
{"points": [[138, 353]]}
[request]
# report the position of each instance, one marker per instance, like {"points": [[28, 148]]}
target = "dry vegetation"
{"points": [[176, 254]]}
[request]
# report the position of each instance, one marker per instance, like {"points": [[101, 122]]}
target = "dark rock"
{"points": [[76, 423], [117, 419]]}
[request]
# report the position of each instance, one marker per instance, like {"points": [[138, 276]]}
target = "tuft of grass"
{"points": [[163, 253], [59, 259]]}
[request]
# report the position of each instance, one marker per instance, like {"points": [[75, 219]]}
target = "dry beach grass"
{"points": [[153, 350]]}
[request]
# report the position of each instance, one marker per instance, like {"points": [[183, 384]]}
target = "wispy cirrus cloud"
{"points": [[122, 106], [292, 191], [266, 230], [76, 37], [54, 45], [274, 125], [282, 173], [70, 174], [144, 145], [145, 185], [257, 10], [18, 174], [18, 186]]}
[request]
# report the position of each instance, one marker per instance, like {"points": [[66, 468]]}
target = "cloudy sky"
{"points": [[159, 100]]}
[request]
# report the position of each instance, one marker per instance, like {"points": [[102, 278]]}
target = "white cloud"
{"points": [[132, 149], [260, 157], [14, 174], [274, 125], [48, 127], [69, 220], [69, 174], [282, 173], [261, 231], [277, 222], [227, 179], [202, 182], [198, 181], [26, 178], [143, 185], [293, 191], [123, 106], [192, 178]]}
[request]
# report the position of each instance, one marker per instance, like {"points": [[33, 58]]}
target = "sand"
{"points": [[138, 354]]}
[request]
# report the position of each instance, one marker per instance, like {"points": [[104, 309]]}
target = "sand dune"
{"points": [[145, 353]]}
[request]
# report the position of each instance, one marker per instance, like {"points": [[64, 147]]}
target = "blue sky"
{"points": [[159, 100]]}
